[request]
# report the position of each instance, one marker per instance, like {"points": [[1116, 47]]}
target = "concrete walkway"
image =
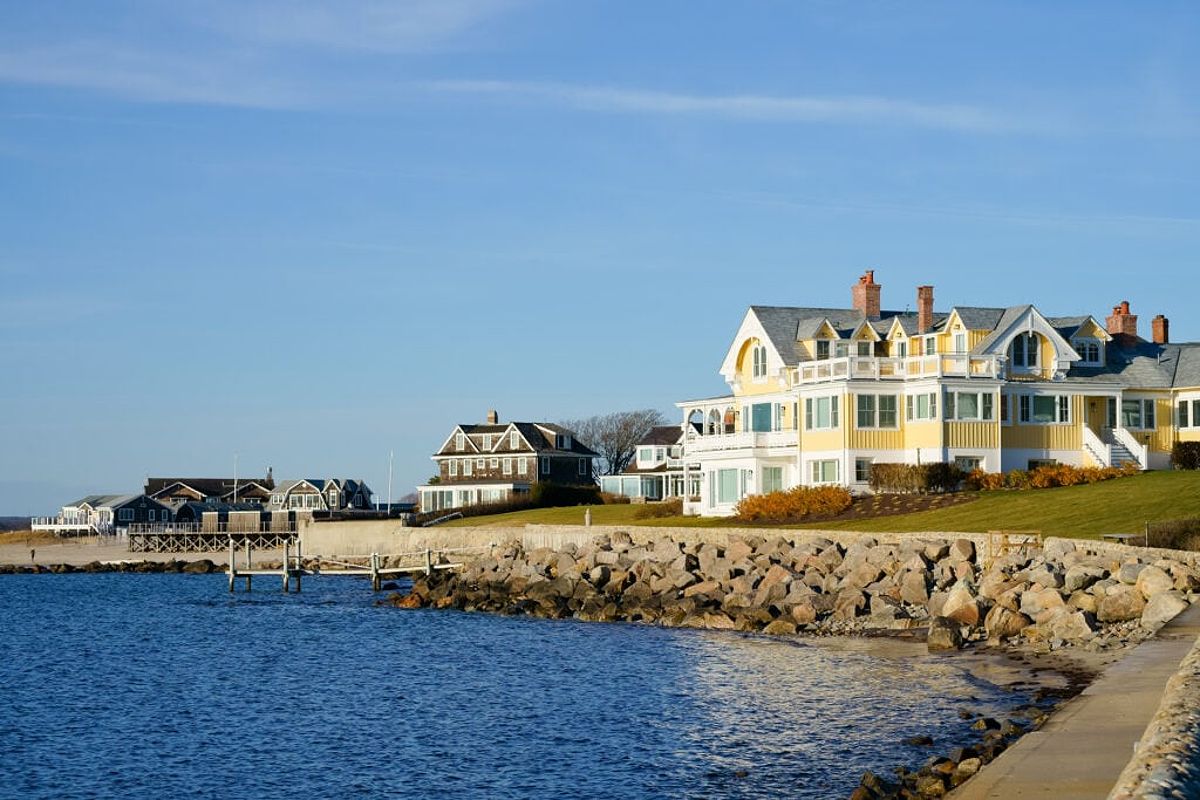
{"points": [[1080, 752]]}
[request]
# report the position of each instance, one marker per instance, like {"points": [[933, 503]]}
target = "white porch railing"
{"points": [[949, 365], [1136, 449], [70, 524], [1099, 451], [746, 440]]}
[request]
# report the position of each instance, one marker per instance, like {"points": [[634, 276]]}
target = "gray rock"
{"points": [[1162, 608], [1152, 581], [962, 550], [1128, 573], [914, 588], [1036, 601], [1081, 577]]}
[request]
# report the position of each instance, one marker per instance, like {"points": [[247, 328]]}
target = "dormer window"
{"points": [[487, 441], [902, 349], [931, 345], [514, 440], [960, 343], [1089, 351], [460, 442], [562, 441], [1024, 351], [841, 349], [822, 350], [864, 349]]}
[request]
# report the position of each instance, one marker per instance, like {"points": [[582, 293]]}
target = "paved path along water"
{"points": [[1080, 752]]}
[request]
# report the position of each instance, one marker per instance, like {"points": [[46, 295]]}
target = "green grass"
{"points": [[1118, 506], [1123, 505]]}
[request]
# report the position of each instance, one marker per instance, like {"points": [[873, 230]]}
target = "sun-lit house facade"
{"points": [[819, 394]]}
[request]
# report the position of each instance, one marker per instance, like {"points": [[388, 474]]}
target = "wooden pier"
{"points": [[293, 569]]}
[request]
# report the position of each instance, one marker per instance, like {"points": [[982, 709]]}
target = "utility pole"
{"points": [[391, 455]]}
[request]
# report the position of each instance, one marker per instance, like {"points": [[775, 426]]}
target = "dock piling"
{"points": [[287, 565], [232, 564]]}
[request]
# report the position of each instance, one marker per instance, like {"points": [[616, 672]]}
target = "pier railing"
{"points": [[208, 537]]}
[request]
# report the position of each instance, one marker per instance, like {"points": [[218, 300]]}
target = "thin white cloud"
{"points": [[150, 76], [753, 107], [379, 25]]}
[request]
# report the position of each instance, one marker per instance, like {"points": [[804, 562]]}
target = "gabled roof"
{"points": [[1187, 371], [539, 435], [979, 318], [209, 487], [663, 435], [99, 500]]}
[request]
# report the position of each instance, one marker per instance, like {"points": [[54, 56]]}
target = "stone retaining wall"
{"points": [[1167, 760]]}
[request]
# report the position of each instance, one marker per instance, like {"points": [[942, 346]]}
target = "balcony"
{"points": [[942, 365], [747, 440]]}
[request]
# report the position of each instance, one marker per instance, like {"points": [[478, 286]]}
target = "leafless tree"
{"points": [[615, 436]]}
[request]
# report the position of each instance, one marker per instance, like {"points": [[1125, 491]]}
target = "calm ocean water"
{"points": [[168, 686]]}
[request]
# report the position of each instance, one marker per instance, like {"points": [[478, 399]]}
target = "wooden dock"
{"points": [[293, 568]]}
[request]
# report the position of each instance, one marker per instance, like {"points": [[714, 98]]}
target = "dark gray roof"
{"points": [[980, 318], [1187, 373], [662, 435], [1008, 317], [1134, 363], [1067, 326], [785, 325]]}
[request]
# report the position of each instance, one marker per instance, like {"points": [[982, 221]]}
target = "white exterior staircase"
{"points": [[1116, 447]]}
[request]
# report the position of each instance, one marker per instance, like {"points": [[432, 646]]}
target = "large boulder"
{"points": [[849, 604], [1082, 576], [914, 588], [944, 634], [1120, 603], [1128, 573], [962, 550], [1071, 626], [738, 550], [1152, 581], [1162, 608], [961, 605], [1035, 601], [804, 614], [1003, 623]]}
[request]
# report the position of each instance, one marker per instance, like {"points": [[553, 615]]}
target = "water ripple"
{"points": [[166, 685]]}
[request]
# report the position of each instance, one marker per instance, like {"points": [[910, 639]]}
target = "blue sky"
{"points": [[313, 232]]}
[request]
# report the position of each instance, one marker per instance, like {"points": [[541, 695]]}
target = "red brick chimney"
{"points": [[493, 418], [1122, 321], [1161, 326], [924, 308], [865, 295]]}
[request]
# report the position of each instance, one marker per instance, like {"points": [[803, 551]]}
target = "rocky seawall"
{"points": [[1167, 760], [1064, 596]]}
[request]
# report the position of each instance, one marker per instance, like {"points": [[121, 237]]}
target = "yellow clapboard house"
{"points": [[819, 394]]}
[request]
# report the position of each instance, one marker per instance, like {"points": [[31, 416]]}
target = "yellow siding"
{"points": [[975, 337], [1190, 435], [923, 434], [973, 434], [822, 440], [1090, 330], [1049, 437], [876, 439], [1163, 436], [1047, 358]]}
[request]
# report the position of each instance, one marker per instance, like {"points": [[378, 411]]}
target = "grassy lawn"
{"points": [[1119, 506]]}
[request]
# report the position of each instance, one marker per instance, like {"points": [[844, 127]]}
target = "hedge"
{"points": [[915, 478], [793, 505], [1186, 455], [1046, 477]]}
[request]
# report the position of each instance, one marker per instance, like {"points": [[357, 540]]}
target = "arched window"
{"points": [[714, 422], [1024, 351], [760, 361]]}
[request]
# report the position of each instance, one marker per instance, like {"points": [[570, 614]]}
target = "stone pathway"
{"points": [[1081, 751]]}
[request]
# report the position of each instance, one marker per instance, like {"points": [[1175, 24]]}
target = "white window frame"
{"points": [[1147, 413], [522, 466], [960, 460], [1062, 409], [930, 348], [514, 440], [494, 463], [912, 407], [864, 349], [876, 420], [545, 465], [452, 469], [773, 470], [816, 469], [827, 346], [960, 342], [812, 411], [1023, 364], [460, 442], [1192, 403], [125, 515], [985, 405], [467, 467], [1085, 344], [487, 441], [901, 348], [508, 466], [583, 470], [858, 462]]}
